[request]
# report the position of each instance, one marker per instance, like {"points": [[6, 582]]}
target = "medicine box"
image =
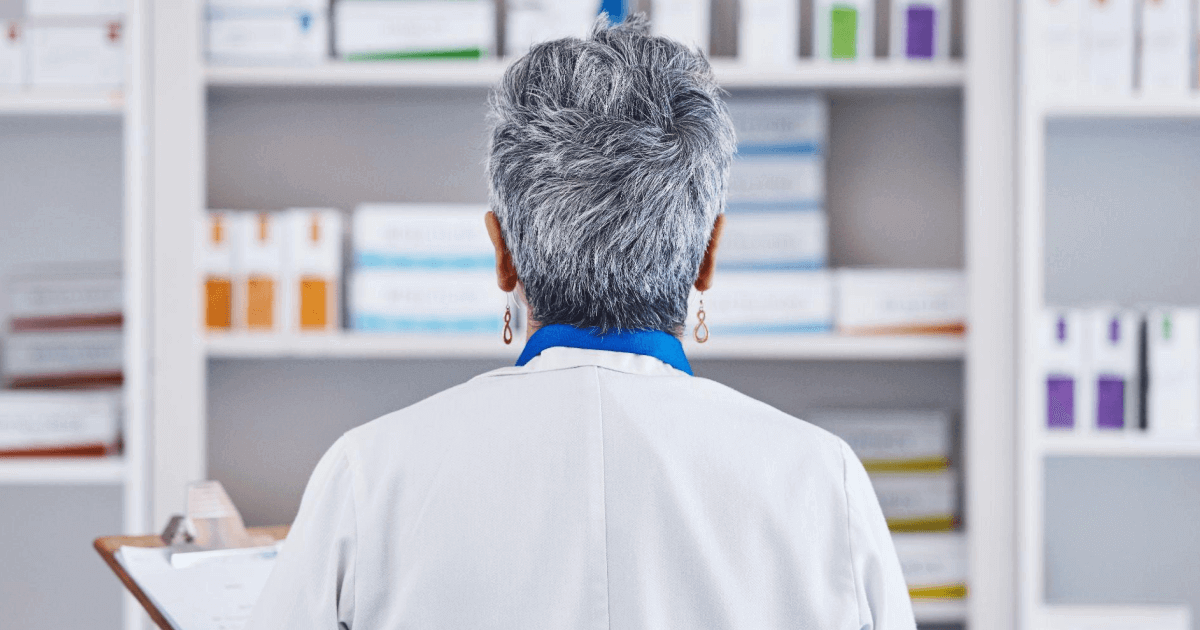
{"points": [[66, 299], [424, 301], [1117, 617], [784, 182], [900, 440], [73, 8], [918, 501], [844, 29], [901, 301], [75, 358], [1173, 372], [284, 35], [768, 32], [1108, 45], [796, 240], [777, 302], [1165, 64], [217, 265], [422, 236], [313, 270], [920, 29], [685, 21], [934, 565], [1110, 385], [528, 22], [12, 55], [258, 273], [1057, 43], [76, 56], [59, 423], [403, 29], [780, 126], [1061, 341]]}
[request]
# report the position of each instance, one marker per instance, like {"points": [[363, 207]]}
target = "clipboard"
{"points": [[198, 533]]}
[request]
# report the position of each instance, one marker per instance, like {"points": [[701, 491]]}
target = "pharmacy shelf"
{"points": [[56, 103], [1119, 445], [482, 74], [1122, 107], [62, 471], [396, 346], [940, 610]]}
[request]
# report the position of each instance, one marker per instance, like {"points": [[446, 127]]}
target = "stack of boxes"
{"points": [[64, 44], [1116, 47], [1109, 369], [908, 455], [424, 268], [272, 271], [59, 424]]}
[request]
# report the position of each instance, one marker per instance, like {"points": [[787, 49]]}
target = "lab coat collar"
{"points": [[651, 343]]}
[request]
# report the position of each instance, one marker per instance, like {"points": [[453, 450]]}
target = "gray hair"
{"points": [[609, 163]]}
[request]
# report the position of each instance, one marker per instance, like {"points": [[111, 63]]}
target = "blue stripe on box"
{"points": [[386, 323], [809, 264], [373, 260], [795, 205], [774, 329], [782, 148]]}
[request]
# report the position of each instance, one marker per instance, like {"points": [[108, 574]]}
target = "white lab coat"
{"points": [[587, 489]]}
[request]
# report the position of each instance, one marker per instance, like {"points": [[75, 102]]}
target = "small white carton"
{"points": [[217, 265], [934, 565], [796, 240], [313, 271], [777, 302], [685, 21], [422, 236], [1108, 45], [918, 501], [258, 278], [1110, 384], [900, 440], [77, 56], [769, 32], [901, 301], [1165, 63], [54, 423], [423, 301], [280, 36], [1173, 371], [12, 55], [366, 30]]}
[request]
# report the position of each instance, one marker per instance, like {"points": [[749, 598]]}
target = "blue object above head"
{"points": [[651, 343]]}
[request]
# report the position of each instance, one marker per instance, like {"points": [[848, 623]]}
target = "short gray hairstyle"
{"points": [[609, 164]]}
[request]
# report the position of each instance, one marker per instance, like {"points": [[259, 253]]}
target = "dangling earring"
{"points": [[701, 332], [508, 334]]}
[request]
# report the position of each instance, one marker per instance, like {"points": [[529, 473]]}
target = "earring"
{"points": [[508, 334], [701, 332]]}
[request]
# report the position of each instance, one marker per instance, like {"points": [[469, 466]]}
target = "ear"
{"points": [[506, 271], [709, 263]]}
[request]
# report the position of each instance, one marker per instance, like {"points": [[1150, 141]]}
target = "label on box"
{"points": [[31, 421], [398, 29], [79, 56], [768, 32], [67, 300], [923, 501], [63, 353], [774, 240], [776, 183], [1173, 370], [267, 36], [934, 565], [396, 300], [899, 301], [774, 126], [777, 302], [422, 236], [891, 440]]}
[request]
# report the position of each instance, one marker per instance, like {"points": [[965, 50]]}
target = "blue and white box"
{"points": [[267, 33], [428, 236], [777, 302]]}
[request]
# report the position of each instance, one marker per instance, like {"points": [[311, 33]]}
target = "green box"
{"points": [[843, 40]]}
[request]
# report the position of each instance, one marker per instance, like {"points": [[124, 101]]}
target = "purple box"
{"points": [[1060, 402], [921, 23], [1110, 402]]}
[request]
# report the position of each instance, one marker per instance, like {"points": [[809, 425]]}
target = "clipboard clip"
{"points": [[212, 528]]}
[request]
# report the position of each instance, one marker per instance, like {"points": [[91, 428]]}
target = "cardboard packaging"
{"points": [[1058, 42], [1108, 45], [422, 236], [217, 264], [780, 126], [918, 502], [314, 269], [1173, 372], [920, 29], [278, 36], [685, 21], [75, 358], [12, 55], [769, 32], [56, 300], [1110, 385], [258, 278], [366, 30], [55, 424], [901, 301], [899, 440], [844, 29], [774, 240], [785, 182], [934, 565], [74, 8], [89, 56], [778, 302], [1165, 61], [424, 301], [1061, 336], [529, 22]]}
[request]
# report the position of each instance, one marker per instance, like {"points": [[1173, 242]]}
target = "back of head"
{"points": [[608, 167]]}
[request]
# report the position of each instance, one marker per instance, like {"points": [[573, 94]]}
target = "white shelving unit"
{"points": [[184, 90], [63, 470], [59, 103]]}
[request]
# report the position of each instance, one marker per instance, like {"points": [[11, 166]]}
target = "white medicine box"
{"points": [[1108, 45], [216, 257], [12, 55], [74, 8], [285, 35], [258, 255], [1110, 385], [77, 56], [768, 32], [685, 21], [1173, 372], [313, 270], [1165, 65], [1061, 333], [1057, 43]]}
